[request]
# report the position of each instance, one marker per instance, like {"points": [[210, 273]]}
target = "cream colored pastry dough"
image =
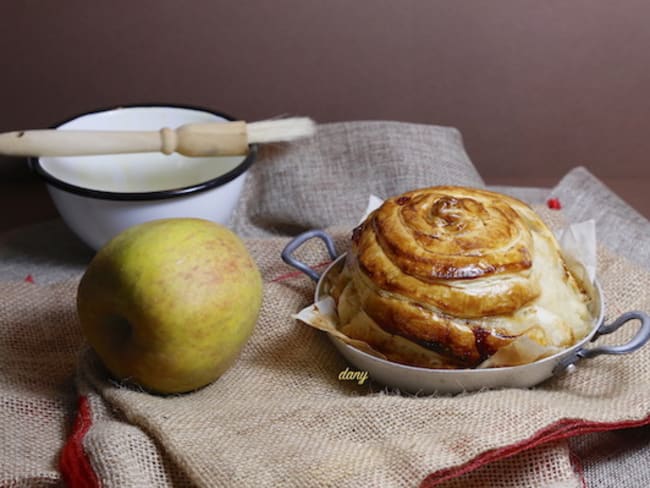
{"points": [[445, 277]]}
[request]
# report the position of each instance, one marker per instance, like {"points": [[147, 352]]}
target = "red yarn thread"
{"points": [[74, 464]]}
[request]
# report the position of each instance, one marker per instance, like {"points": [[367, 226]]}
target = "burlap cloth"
{"points": [[281, 416]]}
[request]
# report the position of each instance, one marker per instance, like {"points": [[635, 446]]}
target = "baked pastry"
{"points": [[446, 277]]}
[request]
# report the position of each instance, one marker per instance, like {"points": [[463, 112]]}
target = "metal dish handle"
{"points": [[296, 242], [640, 338]]}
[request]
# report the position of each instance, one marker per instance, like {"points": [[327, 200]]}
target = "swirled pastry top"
{"points": [[459, 272]]}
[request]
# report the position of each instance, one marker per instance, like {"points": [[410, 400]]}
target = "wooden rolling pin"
{"points": [[204, 139]]}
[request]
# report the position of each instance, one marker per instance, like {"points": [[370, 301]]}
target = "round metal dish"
{"points": [[426, 381]]}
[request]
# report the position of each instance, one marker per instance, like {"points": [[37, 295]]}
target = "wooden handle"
{"points": [[207, 139]]}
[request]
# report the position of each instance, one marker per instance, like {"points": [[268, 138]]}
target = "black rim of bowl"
{"points": [[35, 165]]}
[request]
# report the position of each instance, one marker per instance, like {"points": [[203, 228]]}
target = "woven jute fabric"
{"points": [[123, 454], [612, 459], [623, 229], [38, 400], [281, 416], [549, 466], [39, 350], [326, 180]]}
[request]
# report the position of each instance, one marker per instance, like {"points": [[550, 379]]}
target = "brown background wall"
{"points": [[535, 87]]}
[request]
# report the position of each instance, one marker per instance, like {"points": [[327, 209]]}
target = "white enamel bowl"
{"points": [[418, 380], [100, 196]]}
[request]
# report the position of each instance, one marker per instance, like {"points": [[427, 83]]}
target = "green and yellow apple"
{"points": [[169, 304]]}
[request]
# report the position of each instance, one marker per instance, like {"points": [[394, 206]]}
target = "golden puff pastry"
{"points": [[445, 277]]}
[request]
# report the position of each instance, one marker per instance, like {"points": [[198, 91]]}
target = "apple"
{"points": [[169, 304]]}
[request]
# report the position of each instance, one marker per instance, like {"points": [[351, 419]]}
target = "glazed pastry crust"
{"points": [[461, 273]]}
